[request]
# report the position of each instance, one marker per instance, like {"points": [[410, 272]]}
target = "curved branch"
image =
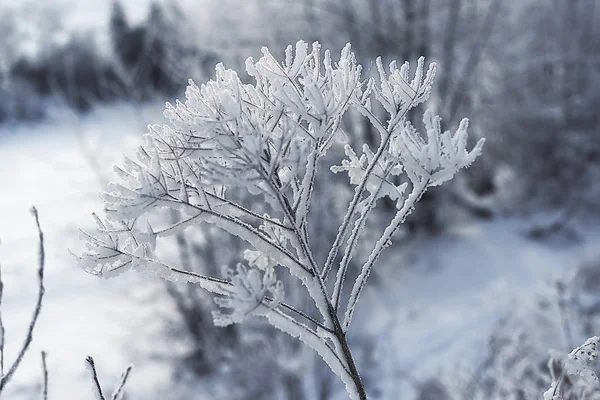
{"points": [[38, 306]]}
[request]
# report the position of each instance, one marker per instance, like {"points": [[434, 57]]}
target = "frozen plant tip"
{"points": [[268, 139]]}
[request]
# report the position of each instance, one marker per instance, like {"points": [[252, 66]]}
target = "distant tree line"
{"points": [[153, 59]]}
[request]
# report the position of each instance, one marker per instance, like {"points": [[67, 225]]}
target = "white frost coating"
{"points": [[211, 284], [378, 182], [265, 139], [318, 344], [315, 290], [437, 159], [393, 97], [258, 259], [578, 365], [396, 94], [262, 243], [381, 244], [308, 182], [359, 226], [119, 392]]}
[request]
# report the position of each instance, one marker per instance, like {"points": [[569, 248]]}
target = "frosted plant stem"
{"points": [[353, 241], [331, 313], [381, 244], [250, 233], [351, 209], [386, 135], [308, 185], [341, 337]]}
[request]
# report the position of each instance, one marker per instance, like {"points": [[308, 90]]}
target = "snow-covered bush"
{"points": [[268, 139], [513, 363]]}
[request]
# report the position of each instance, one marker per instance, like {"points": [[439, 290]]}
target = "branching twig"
{"points": [[38, 307]]}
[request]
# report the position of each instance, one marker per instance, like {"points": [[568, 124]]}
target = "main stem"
{"points": [[337, 327], [347, 355]]}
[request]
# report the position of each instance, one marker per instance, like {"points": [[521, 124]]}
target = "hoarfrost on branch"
{"points": [[267, 138]]}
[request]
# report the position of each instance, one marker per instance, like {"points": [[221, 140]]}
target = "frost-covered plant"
{"points": [[268, 139], [573, 376]]}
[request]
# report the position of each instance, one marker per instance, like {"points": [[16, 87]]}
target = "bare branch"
{"points": [[45, 377], [119, 390], [38, 307], [97, 388]]}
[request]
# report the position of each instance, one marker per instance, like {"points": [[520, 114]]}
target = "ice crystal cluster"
{"points": [[267, 139]]}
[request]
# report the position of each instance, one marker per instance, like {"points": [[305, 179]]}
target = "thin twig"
{"points": [[341, 234], [118, 393], [383, 242], [38, 307], [45, 378], [98, 389], [353, 241], [303, 315], [246, 228], [330, 313]]}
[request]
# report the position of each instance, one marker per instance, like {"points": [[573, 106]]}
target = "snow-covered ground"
{"points": [[438, 301], [443, 296], [82, 315]]}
